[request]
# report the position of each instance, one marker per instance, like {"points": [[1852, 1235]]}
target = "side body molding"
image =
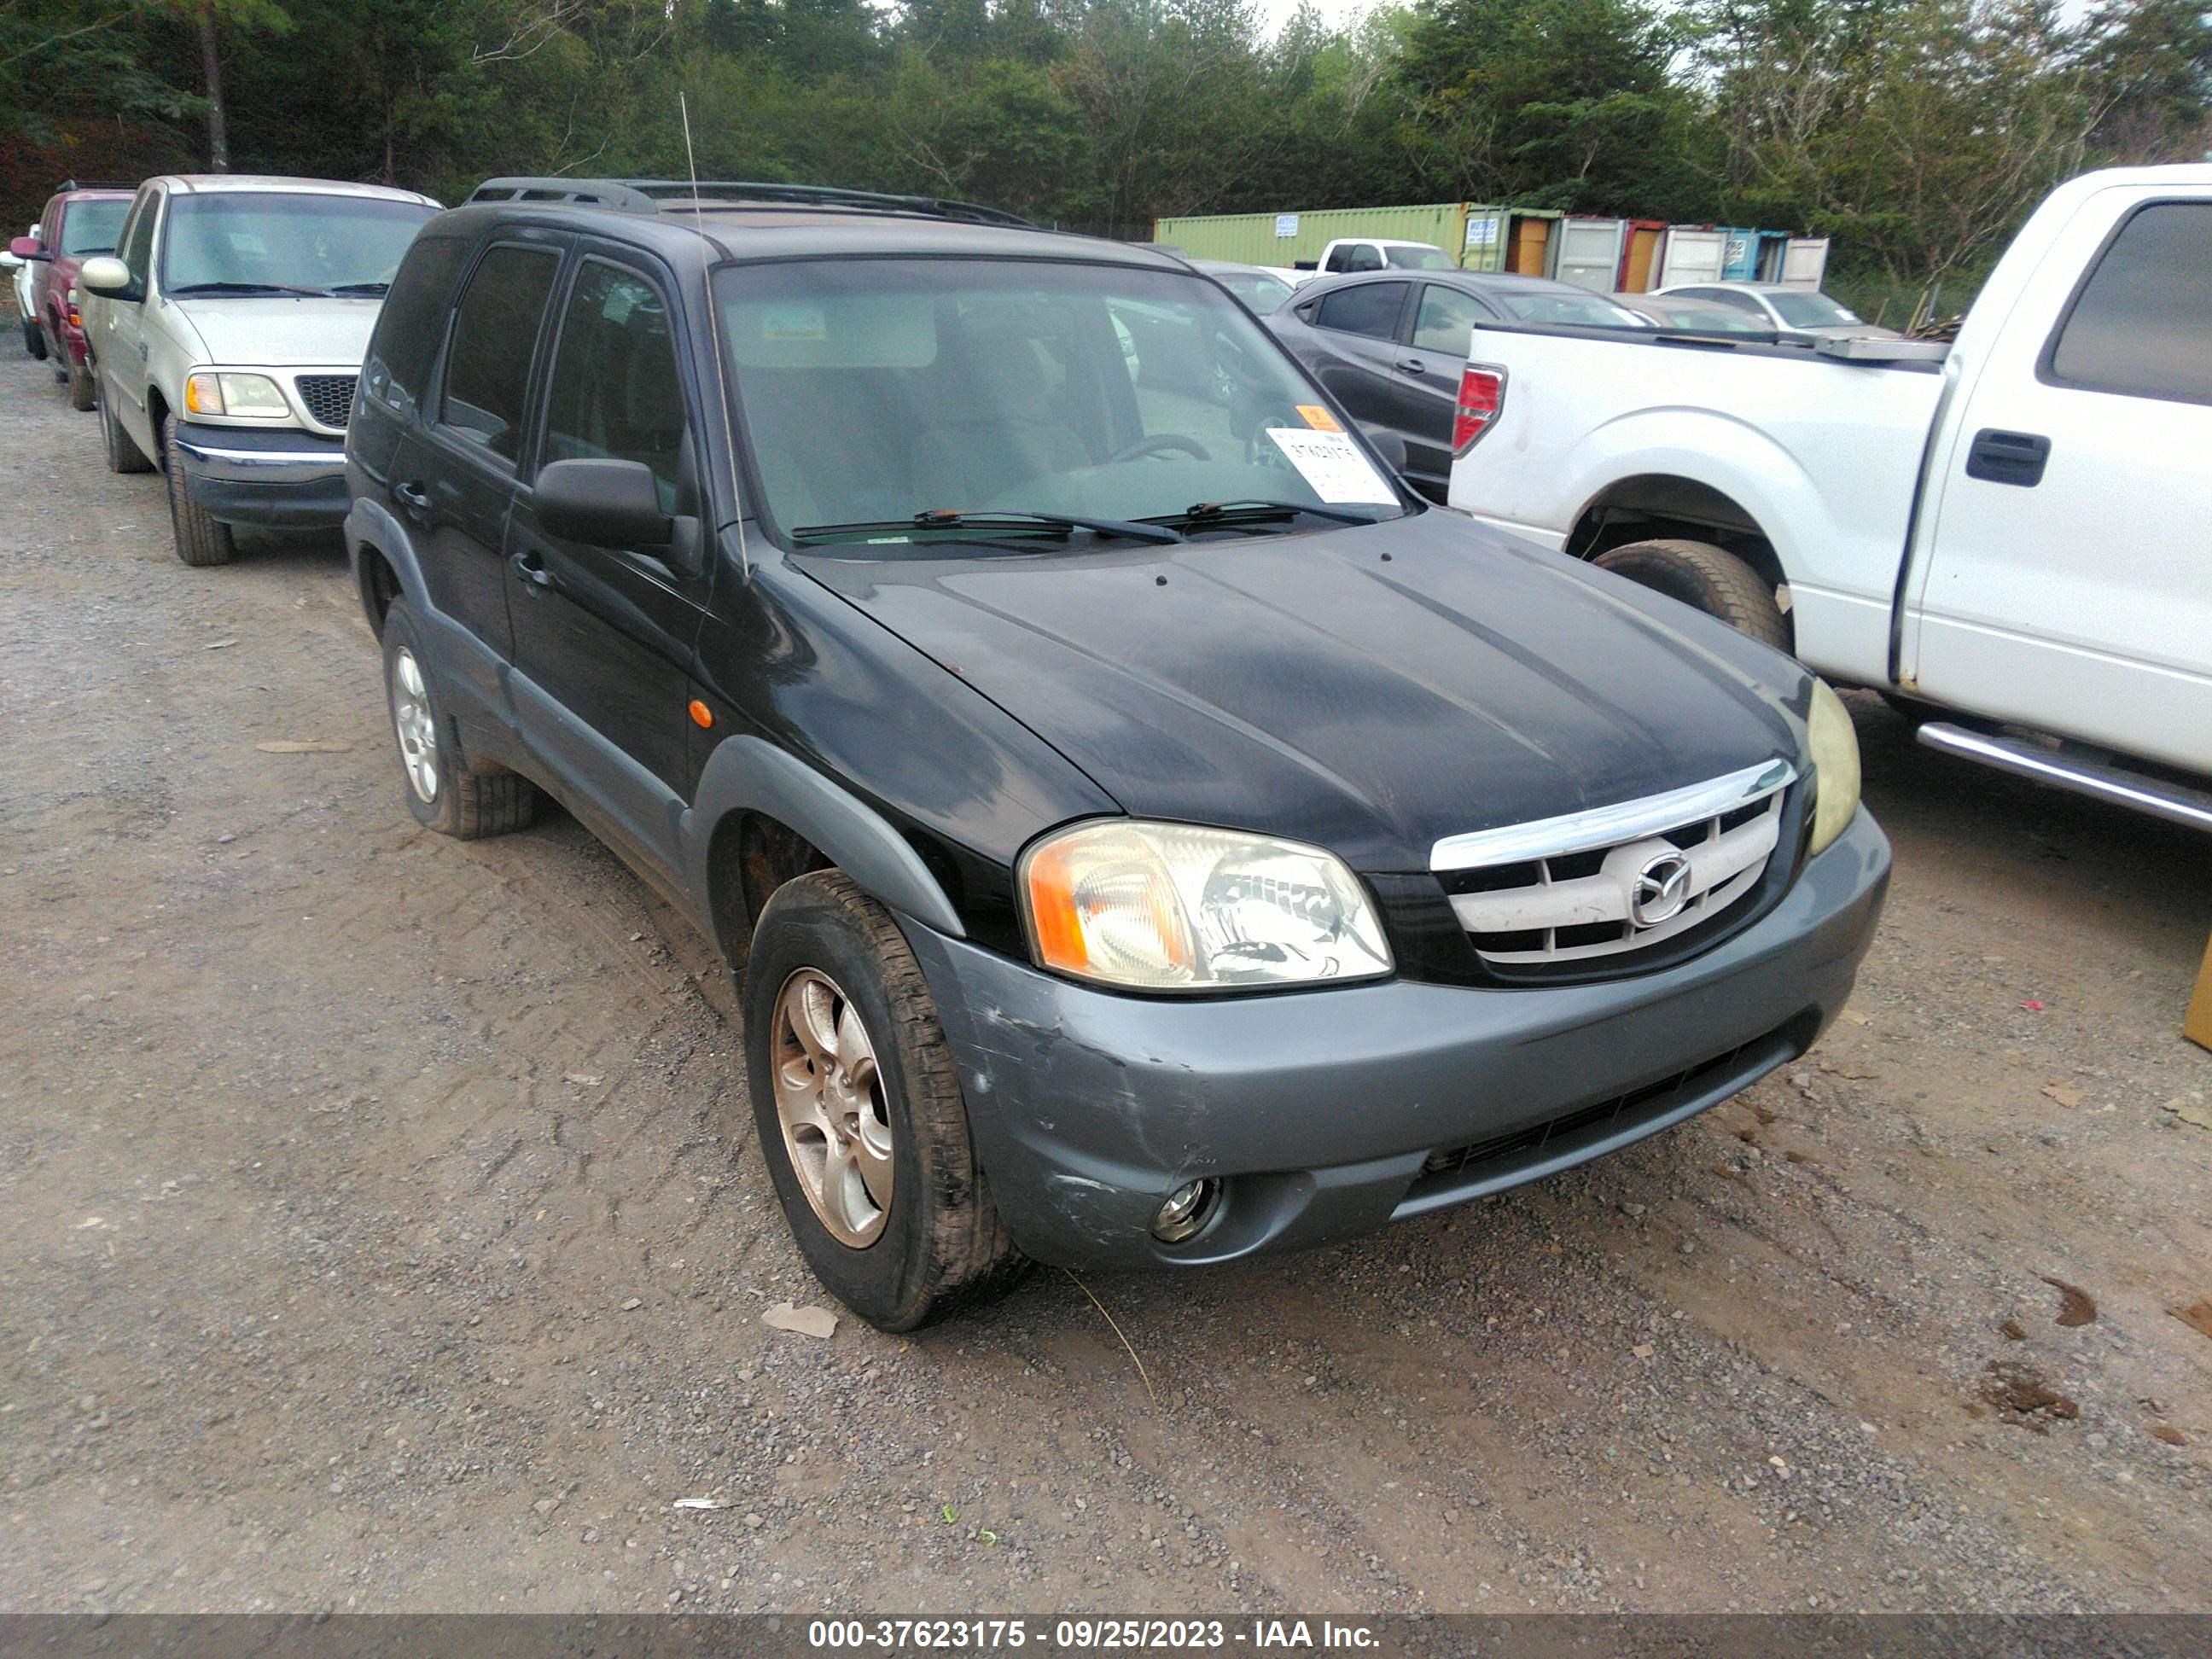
{"points": [[751, 775]]}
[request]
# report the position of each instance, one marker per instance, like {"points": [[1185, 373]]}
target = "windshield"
{"points": [[1419, 259], [1709, 318], [1586, 309], [877, 390], [90, 226], [1810, 310], [249, 242], [1255, 288]]}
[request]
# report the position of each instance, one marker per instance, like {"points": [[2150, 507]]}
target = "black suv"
{"points": [[1150, 834]]}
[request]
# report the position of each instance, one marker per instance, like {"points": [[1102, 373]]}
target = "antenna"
{"points": [[715, 335]]}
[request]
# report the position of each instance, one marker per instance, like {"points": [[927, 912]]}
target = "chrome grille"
{"points": [[328, 398], [1615, 879]]}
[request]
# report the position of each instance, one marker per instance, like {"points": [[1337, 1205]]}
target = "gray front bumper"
{"points": [[1321, 1108], [280, 478]]}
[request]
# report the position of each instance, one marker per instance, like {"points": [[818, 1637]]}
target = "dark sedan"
{"points": [[1391, 346]]}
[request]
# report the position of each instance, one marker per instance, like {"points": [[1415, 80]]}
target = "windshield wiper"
{"points": [[191, 288], [370, 289], [1207, 515], [987, 523]]}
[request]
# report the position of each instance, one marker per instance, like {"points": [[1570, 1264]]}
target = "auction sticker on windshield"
{"points": [[1333, 466]]}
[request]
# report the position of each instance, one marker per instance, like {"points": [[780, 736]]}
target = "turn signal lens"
{"points": [[1834, 742], [204, 394], [1482, 395], [1175, 907], [702, 716]]}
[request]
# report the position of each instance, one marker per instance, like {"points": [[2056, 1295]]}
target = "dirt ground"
{"points": [[382, 1228]]}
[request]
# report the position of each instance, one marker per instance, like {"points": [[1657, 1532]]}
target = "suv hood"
{"points": [[1371, 690], [247, 330]]}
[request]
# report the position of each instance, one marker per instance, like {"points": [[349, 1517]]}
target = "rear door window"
{"points": [[399, 357], [2142, 325], [494, 337], [1369, 308]]}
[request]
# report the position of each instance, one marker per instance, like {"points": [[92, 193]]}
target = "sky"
{"points": [[1273, 14]]}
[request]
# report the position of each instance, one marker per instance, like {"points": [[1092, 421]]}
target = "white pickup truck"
{"points": [[1347, 254], [2013, 538]]}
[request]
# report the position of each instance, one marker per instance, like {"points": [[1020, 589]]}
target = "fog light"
{"points": [[1187, 1210]]}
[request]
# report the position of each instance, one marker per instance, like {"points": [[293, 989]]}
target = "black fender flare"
{"points": [[370, 527], [751, 775]]}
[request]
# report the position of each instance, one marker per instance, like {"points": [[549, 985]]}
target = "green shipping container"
{"points": [[1472, 234]]}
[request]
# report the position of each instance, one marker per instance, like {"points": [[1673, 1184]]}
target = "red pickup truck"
{"points": [[79, 222]]}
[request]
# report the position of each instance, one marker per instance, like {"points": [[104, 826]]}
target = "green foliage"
{"points": [[1915, 132]]}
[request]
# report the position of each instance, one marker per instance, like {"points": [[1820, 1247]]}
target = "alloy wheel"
{"points": [[417, 728], [829, 1100]]}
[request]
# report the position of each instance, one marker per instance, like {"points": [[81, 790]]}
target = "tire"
{"points": [[200, 539], [123, 454], [938, 1244], [443, 792], [1705, 577], [35, 338], [82, 393]]}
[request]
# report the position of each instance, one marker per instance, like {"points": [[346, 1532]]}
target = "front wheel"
{"points": [[1705, 577], [858, 1110], [35, 338]]}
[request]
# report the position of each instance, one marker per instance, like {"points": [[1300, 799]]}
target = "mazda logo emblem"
{"points": [[1660, 890]]}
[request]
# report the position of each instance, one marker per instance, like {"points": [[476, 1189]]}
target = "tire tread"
{"points": [[1726, 587]]}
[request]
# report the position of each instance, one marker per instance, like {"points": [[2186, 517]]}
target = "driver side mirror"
{"points": [[612, 504], [1390, 446], [107, 274], [24, 249]]}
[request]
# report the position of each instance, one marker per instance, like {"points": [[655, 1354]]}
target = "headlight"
{"points": [[1835, 744], [233, 394], [1172, 907]]}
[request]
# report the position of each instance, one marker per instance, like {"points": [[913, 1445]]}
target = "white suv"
{"points": [[227, 333]]}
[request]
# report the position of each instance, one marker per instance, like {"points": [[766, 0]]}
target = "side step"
{"points": [[2155, 796]]}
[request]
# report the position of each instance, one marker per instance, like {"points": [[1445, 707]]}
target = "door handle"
{"points": [[1414, 366], [414, 500], [532, 567], [2008, 458]]}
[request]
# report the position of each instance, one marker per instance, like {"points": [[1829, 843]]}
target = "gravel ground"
{"points": [[383, 1230]]}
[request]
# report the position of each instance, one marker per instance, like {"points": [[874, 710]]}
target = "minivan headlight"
{"points": [[1175, 907], [1835, 746], [215, 394]]}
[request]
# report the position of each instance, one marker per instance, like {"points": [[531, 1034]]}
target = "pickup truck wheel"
{"points": [[82, 392], [858, 1110], [35, 338], [123, 455], [201, 540], [1708, 579], [443, 792]]}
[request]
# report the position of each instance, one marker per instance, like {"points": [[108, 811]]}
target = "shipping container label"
{"points": [[1287, 226]]}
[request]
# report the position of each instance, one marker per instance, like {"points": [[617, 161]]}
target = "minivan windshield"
{"points": [[247, 242], [90, 226], [880, 393]]}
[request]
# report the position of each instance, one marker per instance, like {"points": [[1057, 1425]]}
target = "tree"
{"points": [[208, 19], [1919, 133], [2148, 65]]}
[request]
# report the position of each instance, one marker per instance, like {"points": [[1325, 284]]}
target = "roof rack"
{"points": [[648, 196]]}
